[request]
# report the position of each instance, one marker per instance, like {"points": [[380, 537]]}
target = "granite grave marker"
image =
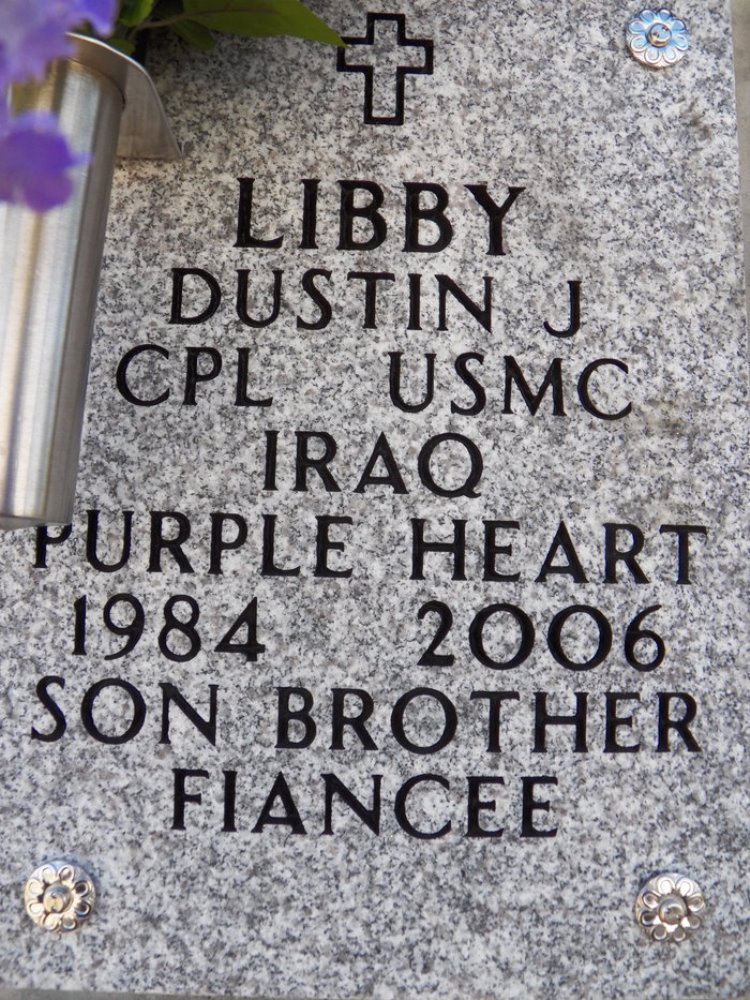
{"points": [[399, 636]]}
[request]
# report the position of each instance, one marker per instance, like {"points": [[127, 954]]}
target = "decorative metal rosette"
{"points": [[59, 896], [657, 38], [669, 907]]}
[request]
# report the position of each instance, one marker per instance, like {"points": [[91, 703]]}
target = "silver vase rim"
{"points": [[145, 132]]}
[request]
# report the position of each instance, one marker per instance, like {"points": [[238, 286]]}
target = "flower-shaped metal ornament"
{"points": [[670, 907], [657, 38], [59, 896]]}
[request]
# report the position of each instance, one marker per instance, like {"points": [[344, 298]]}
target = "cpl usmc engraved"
{"points": [[59, 896], [657, 38], [670, 907]]}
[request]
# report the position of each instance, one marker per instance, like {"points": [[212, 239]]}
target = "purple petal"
{"points": [[30, 56], [32, 32], [101, 14], [33, 163], [36, 121]]}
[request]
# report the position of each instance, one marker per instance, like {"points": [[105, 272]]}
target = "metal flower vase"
{"points": [[49, 276]]}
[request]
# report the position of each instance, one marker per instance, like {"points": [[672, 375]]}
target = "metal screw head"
{"points": [[59, 896], [657, 38], [670, 907]]}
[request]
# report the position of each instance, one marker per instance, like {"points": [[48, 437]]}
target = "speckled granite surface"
{"points": [[630, 188]]}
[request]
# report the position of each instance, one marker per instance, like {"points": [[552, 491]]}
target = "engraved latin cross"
{"points": [[382, 53]]}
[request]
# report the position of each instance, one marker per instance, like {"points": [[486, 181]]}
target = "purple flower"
{"points": [[33, 154], [34, 158], [32, 32]]}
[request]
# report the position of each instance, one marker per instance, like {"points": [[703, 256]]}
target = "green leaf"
{"points": [[166, 8], [196, 35], [262, 18], [122, 45], [133, 12]]}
